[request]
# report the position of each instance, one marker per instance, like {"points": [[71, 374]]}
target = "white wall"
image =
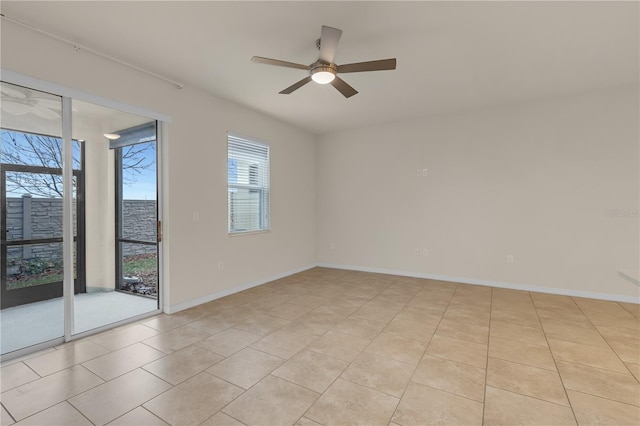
{"points": [[196, 172], [530, 180]]}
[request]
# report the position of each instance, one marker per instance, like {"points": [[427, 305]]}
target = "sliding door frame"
{"points": [[68, 94]]}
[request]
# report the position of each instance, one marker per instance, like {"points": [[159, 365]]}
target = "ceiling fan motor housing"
{"points": [[323, 73]]}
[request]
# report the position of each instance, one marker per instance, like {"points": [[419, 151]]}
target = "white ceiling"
{"points": [[451, 55]]}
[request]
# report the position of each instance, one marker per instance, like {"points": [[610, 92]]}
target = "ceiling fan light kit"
{"points": [[323, 74], [324, 70]]}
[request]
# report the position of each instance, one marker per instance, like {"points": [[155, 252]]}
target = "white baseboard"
{"points": [[512, 286], [199, 301]]}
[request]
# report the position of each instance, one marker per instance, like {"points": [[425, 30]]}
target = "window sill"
{"points": [[240, 233]]}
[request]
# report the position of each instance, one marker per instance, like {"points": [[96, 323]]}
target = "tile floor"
{"points": [[342, 347]]}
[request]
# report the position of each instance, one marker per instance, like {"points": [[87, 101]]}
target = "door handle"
{"points": [[159, 231]]}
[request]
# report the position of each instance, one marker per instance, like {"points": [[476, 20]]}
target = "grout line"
{"points": [[486, 367], [608, 345], [555, 363], [425, 348], [8, 412]]}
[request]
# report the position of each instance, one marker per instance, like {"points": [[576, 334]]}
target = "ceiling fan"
{"points": [[324, 70]]}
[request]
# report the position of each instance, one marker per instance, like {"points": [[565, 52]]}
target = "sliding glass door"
{"points": [[121, 216], [79, 222], [31, 223]]}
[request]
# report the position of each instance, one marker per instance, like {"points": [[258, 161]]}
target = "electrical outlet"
{"points": [[417, 252], [221, 266], [419, 173], [509, 258]]}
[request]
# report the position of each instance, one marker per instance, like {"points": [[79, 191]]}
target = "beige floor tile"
{"points": [[340, 346], [582, 335], [463, 331], [40, 394], [15, 375], [396, 347], [194, 400], [508, 408], [627, 351], [472, 316], [5, 418], [526, 380], [591, 410], [520, 352], [622, 318], [559, 317], [632, 308], [412, 313], [411, 329], [66, 356], [118, 396], [423, 405], [228, 342], [438, 303], [350, 301], [510, 295], [519, 333], [25, 357], [289, 311], [603, 383], [458, 350], [359, 327], [118, 339], [619, 333], [306, 422], [600, 357], [377, 314], [526, 308], [309, 301], [221, 419], [176, 339], [166, 322], [348, 403], [525, 318], [214, 324], [122, 361], [635, 369], [312, 370], [449, 376], [246, 367], [283, 344], [383, 303], [60, 414], [337, 312], [316, 324], [183, 364], [255, 407], [138, 416], [379, 373], [261, 324]]}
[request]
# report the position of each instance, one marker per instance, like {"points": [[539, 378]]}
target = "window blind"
{"points": [[248, 185]]}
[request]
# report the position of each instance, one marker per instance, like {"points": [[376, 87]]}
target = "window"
{"points": [[248, 180]]}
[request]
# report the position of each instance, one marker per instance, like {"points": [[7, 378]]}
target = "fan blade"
{"points": [[329, 38], [381, 65], [343, 87], [296, 86], [268, 61]]}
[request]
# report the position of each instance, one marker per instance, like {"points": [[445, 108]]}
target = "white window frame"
{"points": [[253, 154]]}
